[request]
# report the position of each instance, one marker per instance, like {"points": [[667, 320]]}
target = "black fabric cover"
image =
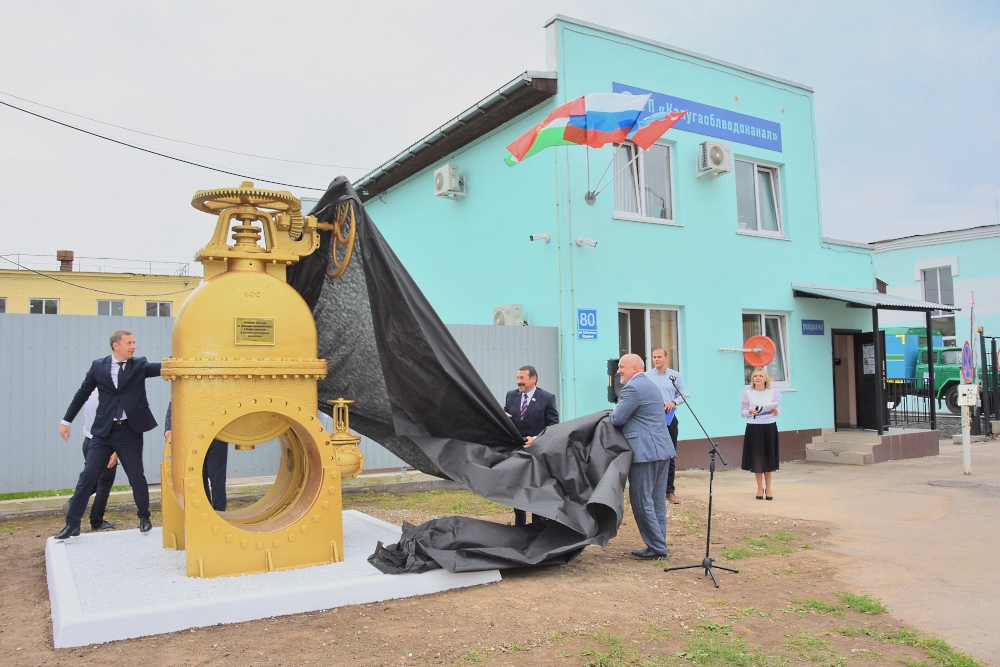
{"points": [[417, 395]]}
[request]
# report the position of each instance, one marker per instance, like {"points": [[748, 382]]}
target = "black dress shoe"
{"points": [[105, 525], [68, 532], [647, 554], [145, 525]]}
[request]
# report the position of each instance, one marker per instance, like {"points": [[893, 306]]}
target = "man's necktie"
{"points": [[121, 373], [524, 405]]}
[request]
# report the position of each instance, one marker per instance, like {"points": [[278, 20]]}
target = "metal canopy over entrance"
{"points": [[875, 301]]}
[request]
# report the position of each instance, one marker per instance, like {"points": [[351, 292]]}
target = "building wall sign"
{"points": [[711, 121], [812, 328], [586, 323]]}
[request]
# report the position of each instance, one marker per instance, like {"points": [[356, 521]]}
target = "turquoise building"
{"points": [[669, 255], [947, 267]]}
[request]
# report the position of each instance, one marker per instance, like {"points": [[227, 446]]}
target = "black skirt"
{"points": [[760, 448]]}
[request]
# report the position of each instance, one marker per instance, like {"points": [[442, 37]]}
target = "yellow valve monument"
{"points": [[244, 370]]}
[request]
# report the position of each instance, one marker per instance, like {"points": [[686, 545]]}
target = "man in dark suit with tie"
{"points": [[532, 409], [123, 415]]}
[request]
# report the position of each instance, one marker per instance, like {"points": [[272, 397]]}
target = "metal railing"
{"points": [[907, 402], [31, 262]]}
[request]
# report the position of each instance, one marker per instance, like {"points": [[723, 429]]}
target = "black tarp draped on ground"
{"points": [[417, 395]]}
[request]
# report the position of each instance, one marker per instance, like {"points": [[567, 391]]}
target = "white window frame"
{"points": [[641, 171], [675, 362], [110, 303], [776, 183], [158, 303], [940, 314], [3, 304], [43, 300], [786, 356]]}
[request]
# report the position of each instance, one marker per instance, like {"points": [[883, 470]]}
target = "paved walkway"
{"points": [[922, 536]]}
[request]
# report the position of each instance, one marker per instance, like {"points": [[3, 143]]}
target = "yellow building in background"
{"points": [[94, 292]]}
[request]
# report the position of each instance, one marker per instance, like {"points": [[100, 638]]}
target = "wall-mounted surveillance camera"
{"points": [[585, 241], [539, 237]]}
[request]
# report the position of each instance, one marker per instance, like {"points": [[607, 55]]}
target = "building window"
{"points": [[43, 306], [158, 308], [774, 326], [642, 330], [110, 307], [939, 288], [758, 198], [643, 184], [3, 305]]}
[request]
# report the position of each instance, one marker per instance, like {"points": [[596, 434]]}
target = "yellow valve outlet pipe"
{"points": [[244, 370]]}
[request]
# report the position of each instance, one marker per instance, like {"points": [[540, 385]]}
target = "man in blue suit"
{"points": [[123, 415], [639, 414], [532, 409]]}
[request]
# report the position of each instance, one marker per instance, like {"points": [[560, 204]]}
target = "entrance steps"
{"points": [[855, 448]]}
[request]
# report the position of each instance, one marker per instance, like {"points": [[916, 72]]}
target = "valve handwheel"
{"points": [[214, 201], [342, 232], [766, 354]]}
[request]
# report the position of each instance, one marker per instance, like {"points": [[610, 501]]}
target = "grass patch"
{"points": [[759, 546], [717, 651], [939, 652], [785, 536], [473, 657], [819, 607], [718, 627], [437, 503], [748, 612], [52, 493], [653, 632], [868, 654], [809, 646], [862, 603], [688, 519], [613, 654]]}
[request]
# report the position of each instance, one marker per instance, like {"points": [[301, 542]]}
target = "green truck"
{"points": [[906, 366]]}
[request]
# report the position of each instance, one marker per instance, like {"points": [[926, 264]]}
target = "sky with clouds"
{"points": [[906, 98]]}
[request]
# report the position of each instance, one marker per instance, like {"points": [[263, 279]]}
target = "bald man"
{"points": [[639, 414]]}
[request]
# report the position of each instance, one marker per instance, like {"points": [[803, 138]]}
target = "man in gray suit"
{"points": [[639, 414]]}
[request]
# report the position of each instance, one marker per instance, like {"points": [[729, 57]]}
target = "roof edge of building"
{"points": [[933, 238], [519, 95], [675, 49]]}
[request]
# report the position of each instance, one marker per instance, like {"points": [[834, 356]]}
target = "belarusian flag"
{"points": [[547, 133]]}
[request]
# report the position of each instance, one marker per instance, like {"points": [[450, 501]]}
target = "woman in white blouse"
{"points": [[760, 441]]}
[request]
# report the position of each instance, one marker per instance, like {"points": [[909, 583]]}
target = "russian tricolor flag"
{"points": [[599, 119], [594, 120]]}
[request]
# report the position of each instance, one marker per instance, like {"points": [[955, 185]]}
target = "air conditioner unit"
{"points": [[447, 182], [714, 158], [511, 315]]}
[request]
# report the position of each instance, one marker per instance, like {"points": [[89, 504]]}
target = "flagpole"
{"points": [[591, 196], [638, 152]]}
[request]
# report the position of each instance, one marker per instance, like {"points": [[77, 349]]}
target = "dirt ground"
{"points": [[603, 609]]}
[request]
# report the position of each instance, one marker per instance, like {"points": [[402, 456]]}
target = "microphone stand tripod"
{"points": [[708, 563]]}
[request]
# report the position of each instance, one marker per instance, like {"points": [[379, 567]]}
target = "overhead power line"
{"points": [[163, 155], [181, 141]]}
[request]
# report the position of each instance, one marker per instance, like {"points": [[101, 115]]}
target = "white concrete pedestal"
{"points": [[122, 584]]}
